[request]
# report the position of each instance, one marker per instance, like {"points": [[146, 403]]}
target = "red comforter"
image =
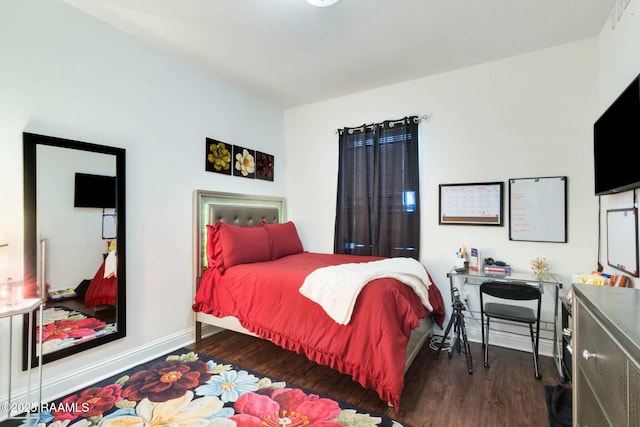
{"points": [[371, 349], [101, 291]]}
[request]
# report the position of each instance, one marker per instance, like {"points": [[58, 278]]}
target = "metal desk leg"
{"points": [[451, 278], [557, 354]]}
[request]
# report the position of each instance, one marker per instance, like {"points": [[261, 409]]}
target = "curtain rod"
{"points": [[420, 118]]}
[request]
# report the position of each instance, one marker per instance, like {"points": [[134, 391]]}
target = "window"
{"points": [[378, 206]]}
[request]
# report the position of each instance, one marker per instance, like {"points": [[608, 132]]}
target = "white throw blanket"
{"points": [[337, 287], [110, 265]]}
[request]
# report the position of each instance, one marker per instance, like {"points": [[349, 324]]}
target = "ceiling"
{"points": [[292, 53]]}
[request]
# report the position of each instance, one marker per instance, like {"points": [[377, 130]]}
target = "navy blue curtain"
{"points": [[378, 205]]}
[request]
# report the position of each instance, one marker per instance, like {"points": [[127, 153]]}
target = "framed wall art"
{"points": [[228, 159], [471, 204], [244, 162], [264, 166], [218, 156]]}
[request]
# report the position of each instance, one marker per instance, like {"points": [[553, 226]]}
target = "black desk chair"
{"points": [[512, 313]]}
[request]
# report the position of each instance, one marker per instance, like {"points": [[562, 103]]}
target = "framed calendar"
{"points": [[471, 204]]}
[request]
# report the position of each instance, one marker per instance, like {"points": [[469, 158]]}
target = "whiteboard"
{"points": [[538, 209], [622, 240], [109, 225]]}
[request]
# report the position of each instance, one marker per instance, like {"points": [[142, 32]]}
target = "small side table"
{"points": [[27, 306]]}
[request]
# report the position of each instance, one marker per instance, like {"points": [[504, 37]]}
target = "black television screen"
{"points": [[94, 191], [615, 135]]}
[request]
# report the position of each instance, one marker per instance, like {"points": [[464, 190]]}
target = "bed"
{"points": [[375, 344], [103, 288]]}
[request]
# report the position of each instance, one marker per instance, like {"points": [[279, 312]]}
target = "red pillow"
{"points": [[211, 247], [233, 245], [283, 238]]}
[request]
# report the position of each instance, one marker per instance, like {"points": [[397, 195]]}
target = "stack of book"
{"points": [[62, 294], [497, 269]]}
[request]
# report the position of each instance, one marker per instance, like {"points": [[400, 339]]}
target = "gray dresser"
{"points": [[606, 358]]}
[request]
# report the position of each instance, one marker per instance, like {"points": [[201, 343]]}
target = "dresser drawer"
{"points": [[603, 365], [589, 411], [634, 395]]}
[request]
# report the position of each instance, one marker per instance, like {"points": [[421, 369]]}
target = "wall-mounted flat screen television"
{"points": [[94, 191], [615, 135]]}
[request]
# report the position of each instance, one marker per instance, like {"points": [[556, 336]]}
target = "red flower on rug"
{"points": [[90, 402], [166, 380], [290, 407], [71, 328]]}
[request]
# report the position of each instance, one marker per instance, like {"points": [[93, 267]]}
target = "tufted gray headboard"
{"points": [[244, 216]]}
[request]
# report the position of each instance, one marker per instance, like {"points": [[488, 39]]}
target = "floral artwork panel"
{"points": [[264, 166], [218, 157], [244, 163]]}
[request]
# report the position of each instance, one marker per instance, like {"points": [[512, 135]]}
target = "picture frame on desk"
{"points": [[475, 260]]}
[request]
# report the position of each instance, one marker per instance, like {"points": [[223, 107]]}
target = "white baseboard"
{"points": [[513, 341]]}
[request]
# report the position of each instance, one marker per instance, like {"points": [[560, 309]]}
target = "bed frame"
{"points": [[245, 210]]}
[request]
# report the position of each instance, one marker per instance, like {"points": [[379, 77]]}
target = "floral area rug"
{"points": [[191, 389], [63, 327]]}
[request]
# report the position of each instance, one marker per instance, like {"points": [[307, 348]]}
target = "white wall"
{"points": [[65, 74], [525, 116], [530, 115], [619, 64]]}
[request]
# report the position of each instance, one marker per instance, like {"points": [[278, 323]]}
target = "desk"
{"points": [[547, 279]]}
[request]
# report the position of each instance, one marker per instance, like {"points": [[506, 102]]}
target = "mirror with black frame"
{"points": [[74, 244]]}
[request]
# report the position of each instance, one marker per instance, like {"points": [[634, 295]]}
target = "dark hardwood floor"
{"points": [[437, 392]]}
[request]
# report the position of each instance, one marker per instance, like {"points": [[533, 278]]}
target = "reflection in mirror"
{"points": [[74, 195]]}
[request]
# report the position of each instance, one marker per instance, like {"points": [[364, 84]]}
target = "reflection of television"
{"points": [[94, 191], [615, 134]]}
